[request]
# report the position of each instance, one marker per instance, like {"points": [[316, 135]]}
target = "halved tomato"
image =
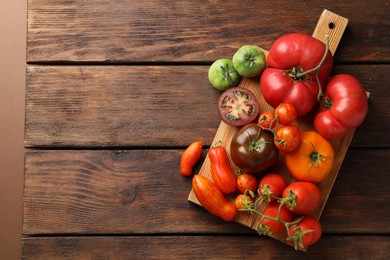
{"points": [[238, 106]]}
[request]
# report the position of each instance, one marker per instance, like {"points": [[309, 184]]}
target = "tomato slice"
{"points": [[238, 106]]}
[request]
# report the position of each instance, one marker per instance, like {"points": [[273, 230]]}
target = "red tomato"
{"points": [[267, 120], [271, 186], [241, 200], [285, 80], [190, 156], [212, 199], [343, 107], [286, 113], [305, 233], [245, 182], [221, 172], [271, 226], [302, 197], [287, 138]]}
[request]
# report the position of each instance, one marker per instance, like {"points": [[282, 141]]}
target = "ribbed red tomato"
{"points": [[289, 77], [343, 107]]}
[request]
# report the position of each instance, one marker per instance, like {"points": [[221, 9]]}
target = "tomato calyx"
{"points": [[316, 158], [297, 237], [325, 102], [266, 192], [298, 73], [255, 144], [227, 71], [290, 200]]}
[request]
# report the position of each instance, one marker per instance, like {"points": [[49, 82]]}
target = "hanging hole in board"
{"points": [[331, 25]]}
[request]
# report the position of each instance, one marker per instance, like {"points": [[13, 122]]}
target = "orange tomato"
{"points": [[190, 157], [313, 160], [212, 199]]}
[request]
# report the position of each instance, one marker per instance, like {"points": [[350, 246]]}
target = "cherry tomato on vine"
{"points": [[271, 226], [313, 160], [246, 181], [286, 113], [305, 233], [267, 120], [271, 186], [301, 197], [238, 106], [241, 200], [189, 158], [287, 138]]}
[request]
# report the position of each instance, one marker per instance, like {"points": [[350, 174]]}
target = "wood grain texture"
{"points": [[142, 192], [159, 31], [99, 106], [212, 247]]}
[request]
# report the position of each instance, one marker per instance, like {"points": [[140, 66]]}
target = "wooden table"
{"points": [[116, 90]]}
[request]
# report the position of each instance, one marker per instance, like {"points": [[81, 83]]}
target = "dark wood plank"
{"points": [[111, 106], [156, 31], [95, 106], [202, 247], [142, 192]]}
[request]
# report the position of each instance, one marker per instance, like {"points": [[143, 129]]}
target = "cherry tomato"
{"points": [[302, 197], [288, 77], [305, 233], [189, 158], [246, 181], [241, 200], [287, 138], [343, 107], [252, 149], [271, 186], [238, 106], [286, 113], [313, 160], [221, 172], [270, 226], [212, 199], [267, 120]]}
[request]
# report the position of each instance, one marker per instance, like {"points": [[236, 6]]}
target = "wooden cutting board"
{"points": [[328, 24]]}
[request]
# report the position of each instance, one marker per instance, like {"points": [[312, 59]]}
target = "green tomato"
{"points": [[223, 75], [249, 61]]}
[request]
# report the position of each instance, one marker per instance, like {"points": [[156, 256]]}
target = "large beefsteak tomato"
{"points": [[290, 77], [343, 107]]}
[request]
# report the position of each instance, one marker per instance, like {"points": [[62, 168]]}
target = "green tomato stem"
{"points": [[318, 67]]}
